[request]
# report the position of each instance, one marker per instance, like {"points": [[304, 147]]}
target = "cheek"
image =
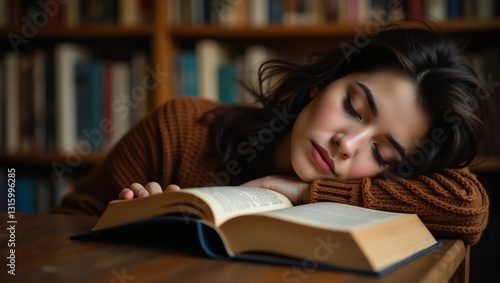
{"points": [[362, 168], [326, 114], [312, 119]]}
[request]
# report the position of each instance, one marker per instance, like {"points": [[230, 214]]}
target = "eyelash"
{"points": [[350, 108], [354, 113], [378, 156]]}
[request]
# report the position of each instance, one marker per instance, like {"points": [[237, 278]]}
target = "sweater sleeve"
{"points": [[166, 147], [451, 204], [135, 158]]}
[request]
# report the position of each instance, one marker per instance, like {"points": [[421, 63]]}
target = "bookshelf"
{"points": [[165, 30], [112, 37], [316, 31]]}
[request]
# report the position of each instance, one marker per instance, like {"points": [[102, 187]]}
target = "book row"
{"points": [[32, 194], [212, 71], [313, 12], [64, 13], [66, 98]]}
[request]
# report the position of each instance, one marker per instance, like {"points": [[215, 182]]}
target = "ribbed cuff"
{"points": [[348, 192]]}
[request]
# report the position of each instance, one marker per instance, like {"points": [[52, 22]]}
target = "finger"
{"points": [[172, 188], [153, 188], [252, 183], [139, 190], [126, 194]]}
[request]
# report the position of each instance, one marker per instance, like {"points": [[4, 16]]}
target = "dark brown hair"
{"points": [[447, 87]]}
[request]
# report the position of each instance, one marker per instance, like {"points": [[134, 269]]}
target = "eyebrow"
{"points": [[373, 107], [369, 97]]}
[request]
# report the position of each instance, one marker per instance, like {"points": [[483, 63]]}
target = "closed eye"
{"points": [[378, 156], [348, 106]]}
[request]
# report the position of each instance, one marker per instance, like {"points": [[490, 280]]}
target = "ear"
{"points": [[314, 92]]}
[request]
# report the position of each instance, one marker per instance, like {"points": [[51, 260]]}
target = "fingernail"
{"points": [[143, 194]]}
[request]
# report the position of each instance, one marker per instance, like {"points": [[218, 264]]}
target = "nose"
{"points": [[349, 143]]}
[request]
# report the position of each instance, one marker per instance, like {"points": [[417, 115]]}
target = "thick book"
{"points": [[256, 224]]}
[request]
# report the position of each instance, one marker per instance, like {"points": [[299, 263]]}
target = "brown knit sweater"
{"points": [[169, 147]]}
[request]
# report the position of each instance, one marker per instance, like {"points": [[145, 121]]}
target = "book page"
{"points": [[331, 215], [215, 204], [228, 202]]}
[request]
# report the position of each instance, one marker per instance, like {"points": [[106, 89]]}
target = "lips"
{"points": [[322, 158]]}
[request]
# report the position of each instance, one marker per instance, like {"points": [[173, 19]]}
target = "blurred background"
{"points": [[75, 75]]}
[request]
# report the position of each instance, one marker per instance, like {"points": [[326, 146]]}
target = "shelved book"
{"points": [[255, 224], [212, 72], [82, 12], [67, 99], [260, 13]]}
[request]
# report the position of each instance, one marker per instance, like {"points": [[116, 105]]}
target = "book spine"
{"points": [[25, 197], [120, 78], [485, 9], [276, 11], [66, 56], [72, 13], [26, 105], [12, 132], [258, 11], [210, 56], [453, 9], [129, 12], [415, 9], [436, 10], [95, 102], [139, 91], [4, 13], [81, 85], [228, 86], [106, 103], [188, 73], [50, 102], [39, 99]]}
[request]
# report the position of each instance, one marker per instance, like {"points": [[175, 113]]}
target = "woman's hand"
{"points": [[138, 190], [293, 188]]}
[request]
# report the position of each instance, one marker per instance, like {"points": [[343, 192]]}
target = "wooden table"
{"points": [[44, 253]]}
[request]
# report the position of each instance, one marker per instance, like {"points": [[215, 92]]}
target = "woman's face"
{"points": [[357, 126]]}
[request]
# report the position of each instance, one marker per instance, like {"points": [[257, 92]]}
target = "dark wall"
{"points": [[485, 255]]}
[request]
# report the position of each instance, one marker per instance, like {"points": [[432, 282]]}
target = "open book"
{"points": [[263, 225]]}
